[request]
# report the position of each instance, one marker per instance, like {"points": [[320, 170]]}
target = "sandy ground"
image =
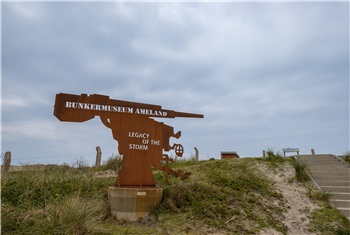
{"points": [[298, 204]]}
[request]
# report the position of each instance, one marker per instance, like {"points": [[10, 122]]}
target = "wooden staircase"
{"points": [[331, 174]]}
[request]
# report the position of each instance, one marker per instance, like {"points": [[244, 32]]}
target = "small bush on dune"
{"points": [[316, 194], [346, 157], [274, 157], [301, 169], [114, 162]]}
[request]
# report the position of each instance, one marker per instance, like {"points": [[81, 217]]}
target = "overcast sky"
{"points": [[262, 74]]}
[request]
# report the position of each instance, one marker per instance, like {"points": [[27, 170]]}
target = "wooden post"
{"points": [[264, 153], [197, 153], [6, 165], [98, 156]]}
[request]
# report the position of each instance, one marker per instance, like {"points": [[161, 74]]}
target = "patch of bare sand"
{"points": [[298, 205], [106, 174]]}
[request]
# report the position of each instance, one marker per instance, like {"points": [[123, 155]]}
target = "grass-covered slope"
{"points": [[227, 196], [221, 196], [53, 200]]}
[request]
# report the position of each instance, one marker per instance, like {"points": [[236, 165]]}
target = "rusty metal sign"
{"points": [[142, 141]]}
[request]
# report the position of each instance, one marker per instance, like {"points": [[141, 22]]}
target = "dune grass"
{"points": [[274, 158], [346, 157], [301, 169], [224, 195], [221, 196], [53, 200]]}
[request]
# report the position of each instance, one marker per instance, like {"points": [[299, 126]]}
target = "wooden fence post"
{"points": [[197, 153], [6, 165], [98, 156], [312, 152]]}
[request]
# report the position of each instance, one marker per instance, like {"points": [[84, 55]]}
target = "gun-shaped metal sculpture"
{"points": [[141, 139]]}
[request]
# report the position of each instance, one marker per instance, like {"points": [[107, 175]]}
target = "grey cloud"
{"points": [[262, 73]]}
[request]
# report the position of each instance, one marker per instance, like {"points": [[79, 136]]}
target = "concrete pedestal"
{"points": [[133, 203]]}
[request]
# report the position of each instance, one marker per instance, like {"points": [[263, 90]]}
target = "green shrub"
{"points": [[301, 169], [274, 157], [114, 162], [346, 157], [315, 194]]}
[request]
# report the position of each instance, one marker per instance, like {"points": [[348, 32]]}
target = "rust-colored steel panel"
{"points": [[141, 139]]}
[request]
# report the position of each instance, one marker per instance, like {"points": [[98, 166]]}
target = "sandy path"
{"points": [[298, 204]]}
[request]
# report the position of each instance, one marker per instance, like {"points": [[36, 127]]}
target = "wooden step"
{"points": [[331, 167], [332, 175], [340, 196], [334, 183], [341, 203], [330, 178], [338, 189]]}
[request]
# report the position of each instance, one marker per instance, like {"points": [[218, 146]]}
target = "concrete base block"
{"points": [[133, 203]]}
